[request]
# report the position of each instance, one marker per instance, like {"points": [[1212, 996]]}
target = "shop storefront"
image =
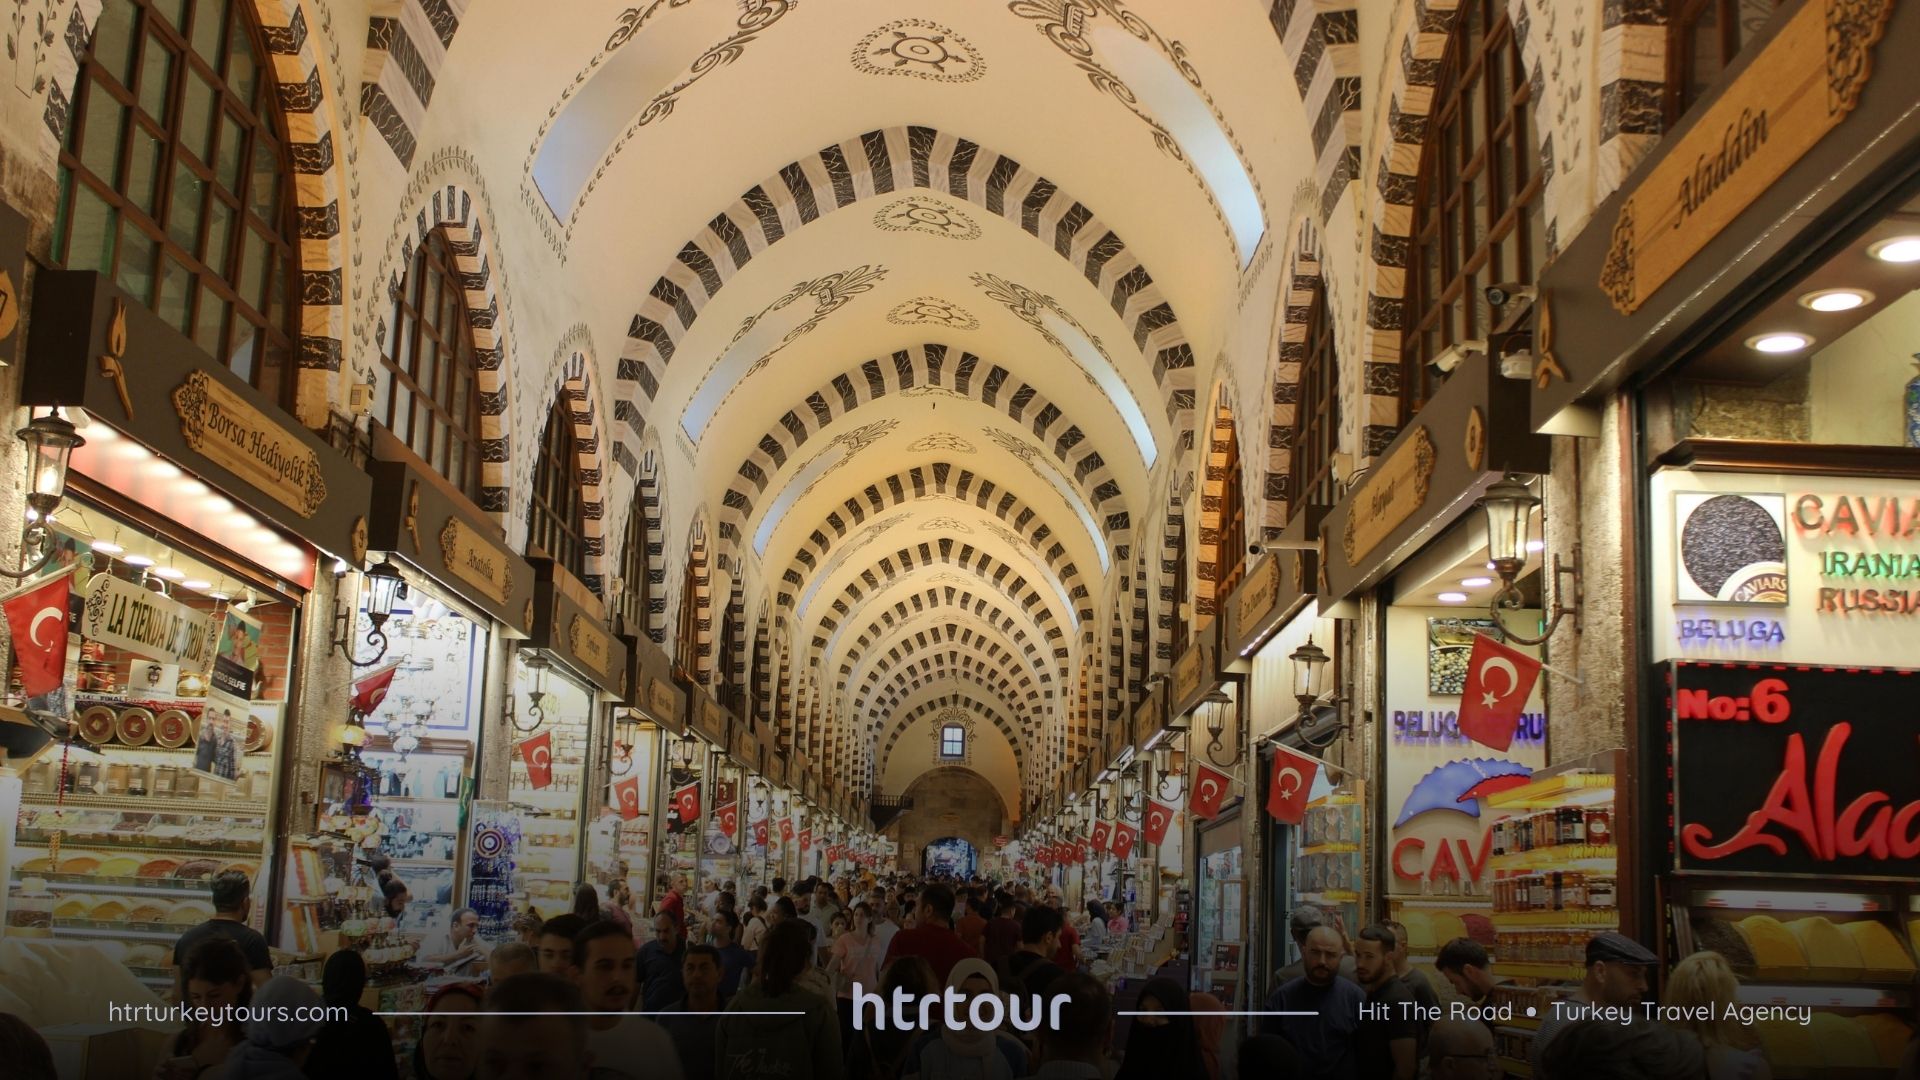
{"points": [[184, 556], [620, 840], [1210, 711]]}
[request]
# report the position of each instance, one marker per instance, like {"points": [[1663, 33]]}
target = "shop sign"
{"points": [[660, 698], [589, 644], [476, 561], [1395, 492], [1795, 770], [229, 431], [146, 623], [1796, 90], [1256, 597], [1186, 674]]}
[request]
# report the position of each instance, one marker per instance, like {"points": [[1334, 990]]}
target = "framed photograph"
{"points": [[1730, 548], [1449, 644]]}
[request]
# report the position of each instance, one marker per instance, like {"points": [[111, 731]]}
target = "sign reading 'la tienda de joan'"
{"points": [[1782, 769]]}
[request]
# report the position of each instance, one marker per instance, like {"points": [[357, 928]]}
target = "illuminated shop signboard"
{"points": [[1782, 769]]}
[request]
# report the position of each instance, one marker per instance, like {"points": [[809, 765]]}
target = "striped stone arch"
{"points": [[949, 665], [698, 637], [885, 628], [574, 386], [647, 497], [878, 163], [407, 43], [1302, 285], [1322, 41], [760, 683], [734, 616], [1173, 562], [453, 210], [1140, 653], [919, 482], [943, 629], [1114, 679], [896, 727], [963, 641], [962, 556], [312, 113], [926, 370], [1223, 448]]}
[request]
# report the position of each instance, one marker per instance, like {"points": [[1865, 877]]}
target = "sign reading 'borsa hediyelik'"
{"points": [[234, 434]]}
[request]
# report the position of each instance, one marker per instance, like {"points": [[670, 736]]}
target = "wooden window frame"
{"points": [[431, 329], [556, 519], [1316, 414], [1683, 34]]}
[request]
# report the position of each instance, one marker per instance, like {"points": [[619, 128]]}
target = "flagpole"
{"points": [[1322, 762], [1574, 679]]}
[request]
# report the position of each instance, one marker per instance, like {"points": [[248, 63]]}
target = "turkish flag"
{"points": [[1209, 790], [37, 619], [1102, 832], [786, 829], [729, 818], [539, 754], [686, 802], [369, 692], [760, 833], [806, 839], [1080, 853], [1123, 837], [626, 794], [1290, 784], [1499, 678], [1159, 816]]}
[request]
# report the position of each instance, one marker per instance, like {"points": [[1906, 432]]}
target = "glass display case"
{"points": [[556, 738], [1220, 917]]}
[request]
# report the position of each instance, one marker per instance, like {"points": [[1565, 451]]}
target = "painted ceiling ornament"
{"points": [[849, 443], [946, 525], [930, 216], [932, 310], [1027, 306], [943, 442], [1011, 443], [829, 293], [921, 49], [1017, 541]]}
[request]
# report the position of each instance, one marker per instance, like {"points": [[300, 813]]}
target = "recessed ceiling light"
{"points": [[169, 573], [1897, 249], [107, 547], [1476, 582], [1835, 299], [1783, 342], [1453, 598], [138, 560]]}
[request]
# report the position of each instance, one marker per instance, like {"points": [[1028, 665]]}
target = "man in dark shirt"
{"points": [[932, 937], [693, 1034], [1032, 962], [1002, 934], [1418, 987], [735, 961], [232, 903], [1325, 1036], [660, 963], [1387, 1045]]}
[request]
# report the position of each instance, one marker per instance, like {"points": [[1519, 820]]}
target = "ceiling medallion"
{"points": [[944, 442], [946, 524], [929, 216], [922, 49], [923, 310]]}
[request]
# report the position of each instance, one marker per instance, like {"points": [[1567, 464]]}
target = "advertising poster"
{"points": [[226, 722]]}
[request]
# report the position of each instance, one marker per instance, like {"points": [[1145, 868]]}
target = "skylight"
{"points": [[1095, 363], [588, 124]]}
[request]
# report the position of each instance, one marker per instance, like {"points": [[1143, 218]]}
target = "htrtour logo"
{"points": [[984, 1012]]}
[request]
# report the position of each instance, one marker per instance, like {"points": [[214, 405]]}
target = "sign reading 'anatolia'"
{"points": [[1800, 86], [232, 433], [589, 644], [1389, 497], [469, 557]]}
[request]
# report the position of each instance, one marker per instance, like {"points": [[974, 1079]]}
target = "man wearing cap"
{"points": [[1617, 970], [1304, 919]]}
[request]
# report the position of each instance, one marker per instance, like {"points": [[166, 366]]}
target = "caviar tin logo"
{"points": [[1732, 549]]}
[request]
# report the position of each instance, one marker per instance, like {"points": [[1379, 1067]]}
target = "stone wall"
{"points": [[950, 802]]}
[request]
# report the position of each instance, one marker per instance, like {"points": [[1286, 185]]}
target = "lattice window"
{"points": [[1703, 37], [636, 583], [426, 385], [1477, 217], [1317, 415], [556, 523], [175, 183]]}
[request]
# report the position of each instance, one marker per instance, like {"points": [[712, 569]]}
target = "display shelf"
{"points": [[72, 845], [116, 934], [1522, 1023], [1558, 857], [1788, 900], [62, 883], [1566, 789], [1855, 996], [158, 804], [1338, 896], [1564, 919], [1524, 970], [1330, 849], [1516, 1067]]}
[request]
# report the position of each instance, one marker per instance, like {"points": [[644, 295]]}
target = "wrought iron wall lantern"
{"points": [[384, 587], [1509, 506]]}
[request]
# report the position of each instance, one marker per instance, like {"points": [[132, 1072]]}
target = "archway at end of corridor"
{"points": [[949, 856]]}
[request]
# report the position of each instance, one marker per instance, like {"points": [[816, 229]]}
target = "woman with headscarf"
{"points": [[449, 1047], [1096, 934], [968, 1052], [1208, 1029], [359, 1045], [1161, 1046]]}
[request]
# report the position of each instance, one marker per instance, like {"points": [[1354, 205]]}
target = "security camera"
{"points": [[1456, 354], [1256, 548], [1507, 292]]}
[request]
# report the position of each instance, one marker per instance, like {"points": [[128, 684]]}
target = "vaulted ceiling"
{"points": [[913, 305]]}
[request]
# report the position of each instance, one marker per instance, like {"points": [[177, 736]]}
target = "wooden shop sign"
{"points": [[1799, 87], [476, 560], [1256, 596], [589, 644], [1393, 493], [662, 700], [226, 428]]}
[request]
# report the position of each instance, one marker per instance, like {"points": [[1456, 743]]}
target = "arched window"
{"points": [[1703, 37], [1317, 416], [1477, 206], [1230, 557], [953, 741], [174, 180], [426, 385], [636, 580], [555, 522]]}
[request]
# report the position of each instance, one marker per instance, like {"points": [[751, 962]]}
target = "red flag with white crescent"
{"points": [[37, 619], [686, 802], [786, 829], [626, 795], [1290, 784], [1123, 838], [1159, 816], [1209, 790], [806, 839], [370, 691], [1499, 678], [538, 752], [1102, 832], [760, 833], [728, 818]]}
